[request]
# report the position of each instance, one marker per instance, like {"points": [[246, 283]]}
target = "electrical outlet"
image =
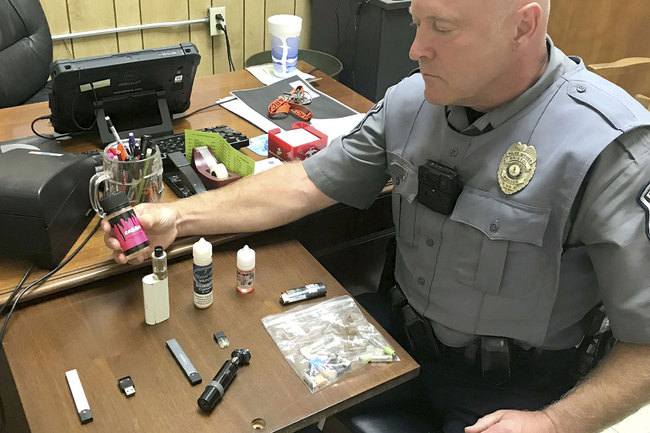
{"points": [[212, 14]]}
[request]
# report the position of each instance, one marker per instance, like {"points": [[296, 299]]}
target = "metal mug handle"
{"points": [[93, 191]]}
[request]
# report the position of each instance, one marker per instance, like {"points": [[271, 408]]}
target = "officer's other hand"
{"points": [[158, 222], [513, 421]]}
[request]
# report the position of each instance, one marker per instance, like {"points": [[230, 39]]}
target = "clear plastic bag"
{"points": [[325, 340]]}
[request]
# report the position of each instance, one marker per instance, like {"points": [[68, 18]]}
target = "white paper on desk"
{"points": [[336, 127], [265, 74], [244, 111], [297, 137], [333, 127], [266, 164]]}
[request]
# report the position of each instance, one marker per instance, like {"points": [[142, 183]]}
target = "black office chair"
{"points": [[25, 52]]}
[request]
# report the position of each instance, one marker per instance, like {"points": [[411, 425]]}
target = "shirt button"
{"points": [[453, 153], [582, 88], [494, 226], [397, 180], [430, 242], [421, 281]]}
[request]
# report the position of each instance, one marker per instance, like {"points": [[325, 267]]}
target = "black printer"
{"points": [[44, 204]]}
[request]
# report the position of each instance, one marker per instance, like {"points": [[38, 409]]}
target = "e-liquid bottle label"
{"points": [[203, 285], [127, 230], [245, 280]]}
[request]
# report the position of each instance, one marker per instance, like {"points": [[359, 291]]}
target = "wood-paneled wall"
{"points": [[597, 30], [601, 31], [245, 22]]}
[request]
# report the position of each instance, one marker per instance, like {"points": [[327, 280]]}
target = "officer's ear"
{"points": [[530, 22]]}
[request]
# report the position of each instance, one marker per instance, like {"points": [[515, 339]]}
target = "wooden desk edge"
{"points": [[333, 410], [107, 268], [66, 280]]}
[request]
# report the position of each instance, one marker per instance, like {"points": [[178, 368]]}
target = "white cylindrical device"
{"points": [[202, 253]]}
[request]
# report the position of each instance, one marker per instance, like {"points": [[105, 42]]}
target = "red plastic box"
{"points": [[286, 152]]}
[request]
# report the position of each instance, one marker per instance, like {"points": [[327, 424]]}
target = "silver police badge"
{"points": [[644, 201], [516, 168]]}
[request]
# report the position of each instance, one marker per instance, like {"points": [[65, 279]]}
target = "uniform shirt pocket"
{"points": [[405, 189], [498, 242]]}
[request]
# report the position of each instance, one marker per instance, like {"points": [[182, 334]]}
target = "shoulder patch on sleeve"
{"points": [[375, 109], [644, 201], [636, 142]]}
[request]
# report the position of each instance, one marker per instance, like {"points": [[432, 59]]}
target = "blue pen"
{"points": [[132, 143]]}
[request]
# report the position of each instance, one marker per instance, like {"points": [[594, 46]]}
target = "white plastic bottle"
{"points": [[202, 252], [245, 270]]}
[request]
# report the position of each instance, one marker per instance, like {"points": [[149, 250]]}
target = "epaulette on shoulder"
{"points": [[612, 102]]}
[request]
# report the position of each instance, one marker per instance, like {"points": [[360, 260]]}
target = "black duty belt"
{"points": [[497, 356], [425, 346]]}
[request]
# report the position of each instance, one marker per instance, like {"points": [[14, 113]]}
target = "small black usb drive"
{"points": [[126, 385]]}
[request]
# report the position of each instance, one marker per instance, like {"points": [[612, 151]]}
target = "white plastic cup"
{"points": [[285, 36]]}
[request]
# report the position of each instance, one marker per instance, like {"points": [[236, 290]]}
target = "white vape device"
{"points": [[79, 397], [155, 289]]}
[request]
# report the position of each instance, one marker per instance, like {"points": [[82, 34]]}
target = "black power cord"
{"points": [[184, 115], [14, 291], [38, 282], [47, 136], [3, 420], [357, 23], [221, 25]]}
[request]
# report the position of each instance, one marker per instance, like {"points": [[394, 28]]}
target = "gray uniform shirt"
{"points": [[610, 219]]}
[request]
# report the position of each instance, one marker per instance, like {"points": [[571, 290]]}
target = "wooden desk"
{"points": [[100, 331], [94, 261]]}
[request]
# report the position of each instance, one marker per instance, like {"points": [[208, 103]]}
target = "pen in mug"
{"points": [[118, 141], [132, 143]]}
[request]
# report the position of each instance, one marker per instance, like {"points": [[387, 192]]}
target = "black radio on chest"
{"points": [[438, 187]]}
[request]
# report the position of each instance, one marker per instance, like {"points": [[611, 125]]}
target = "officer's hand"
{"points": [[159, 223], [513, 421]]}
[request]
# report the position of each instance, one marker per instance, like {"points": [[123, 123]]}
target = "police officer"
{"points": [[521, 200]]}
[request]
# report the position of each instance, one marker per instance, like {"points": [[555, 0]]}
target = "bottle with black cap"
{"points": [[125, 224]]}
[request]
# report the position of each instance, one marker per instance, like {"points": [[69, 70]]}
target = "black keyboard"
{"points": [[176, 142]]}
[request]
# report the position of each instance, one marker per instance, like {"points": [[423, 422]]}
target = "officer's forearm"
{"points": [[619, 386], [259, 202]]}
